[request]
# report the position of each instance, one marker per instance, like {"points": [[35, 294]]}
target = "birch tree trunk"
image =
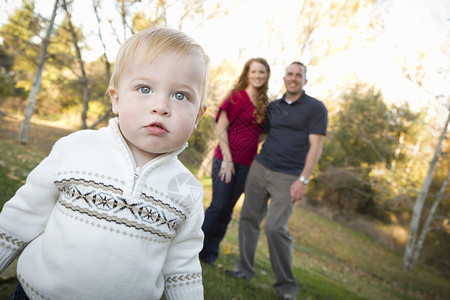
{"points": [[420, 200], [31, 102], [426, 226], [84, 79]]}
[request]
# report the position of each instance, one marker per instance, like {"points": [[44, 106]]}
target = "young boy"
{"points": [[112, 213]]}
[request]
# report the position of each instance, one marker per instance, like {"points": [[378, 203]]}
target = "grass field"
{"points": [[330, 261]]}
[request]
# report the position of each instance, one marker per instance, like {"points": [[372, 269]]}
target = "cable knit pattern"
{"points": [[93, 226]]}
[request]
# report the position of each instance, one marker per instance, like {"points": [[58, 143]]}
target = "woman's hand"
{"points": [[226, 170]]}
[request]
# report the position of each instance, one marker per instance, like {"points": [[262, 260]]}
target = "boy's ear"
{"points": [[201, 112], [114, 95]]}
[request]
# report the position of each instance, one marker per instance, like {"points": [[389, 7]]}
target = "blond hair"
{"points": [[154, 43]]}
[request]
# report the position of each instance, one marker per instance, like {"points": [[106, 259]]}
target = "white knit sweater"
{"points": [[93, 226]]}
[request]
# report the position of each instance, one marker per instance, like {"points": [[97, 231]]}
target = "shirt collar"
{"points": [[296, 101]]}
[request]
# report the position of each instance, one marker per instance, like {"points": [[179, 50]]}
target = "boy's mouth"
{"points": [[157, 128]]}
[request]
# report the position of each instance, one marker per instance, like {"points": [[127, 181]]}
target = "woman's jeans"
{"points": [[19, 294], [218, 214]]}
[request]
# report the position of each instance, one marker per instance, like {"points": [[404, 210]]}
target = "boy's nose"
{"points": [[160, 107]]}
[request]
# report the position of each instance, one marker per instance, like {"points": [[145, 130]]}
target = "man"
{"points": [[295, 130]]}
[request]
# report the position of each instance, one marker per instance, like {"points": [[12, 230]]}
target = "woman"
{"points": [[239, 122]]}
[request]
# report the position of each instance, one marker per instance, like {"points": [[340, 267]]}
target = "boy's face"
{"points": [[158, 104]]}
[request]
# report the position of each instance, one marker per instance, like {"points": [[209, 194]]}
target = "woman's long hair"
{"points": [[262, 100]]}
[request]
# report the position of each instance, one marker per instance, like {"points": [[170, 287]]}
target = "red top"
{"points": [[243, 130]]}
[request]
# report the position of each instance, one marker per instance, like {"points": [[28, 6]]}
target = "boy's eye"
{"points": [[144, 89], [180, 96]]}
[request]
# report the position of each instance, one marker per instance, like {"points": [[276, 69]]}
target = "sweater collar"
{"points": [[119, 142]]}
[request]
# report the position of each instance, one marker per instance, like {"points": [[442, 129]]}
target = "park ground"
{"points": [[332, 260]]}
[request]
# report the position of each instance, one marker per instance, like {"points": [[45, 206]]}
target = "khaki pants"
{"points": [[263, 184]]}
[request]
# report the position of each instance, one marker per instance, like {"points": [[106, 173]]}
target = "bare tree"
{"points": [[107, 113], [95, 4], [195, 8], [123, 11], [25, 126], [83, 78], [427, 226], [346, 15], [411, 245], [416, 72]]}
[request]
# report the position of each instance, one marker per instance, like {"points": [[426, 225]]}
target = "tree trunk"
{"points": [[84, 79], [25, 126], [105, 57], [103, 117], [205, 166], [108, 112], [417, 210], [426, 226]]}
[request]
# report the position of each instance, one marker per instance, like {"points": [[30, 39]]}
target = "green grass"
{"points": [[330, 261], [16, 161]]}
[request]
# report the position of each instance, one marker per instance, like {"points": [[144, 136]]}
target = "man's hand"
{"points": [[298, 190]]}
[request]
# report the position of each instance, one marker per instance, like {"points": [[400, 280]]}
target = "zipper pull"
{"points": [[137, 172]]}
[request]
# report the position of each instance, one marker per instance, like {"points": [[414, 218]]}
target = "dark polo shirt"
{"points": [[288, 127]]}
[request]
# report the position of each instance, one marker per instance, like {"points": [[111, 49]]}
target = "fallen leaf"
{"points": [[227, 249]]}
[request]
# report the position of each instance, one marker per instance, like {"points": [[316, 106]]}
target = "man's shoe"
{"points": [[237, 274], [208, 262]]}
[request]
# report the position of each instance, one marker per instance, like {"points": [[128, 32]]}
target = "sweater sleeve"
{"points": [[182, 269], [25, 215]]}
